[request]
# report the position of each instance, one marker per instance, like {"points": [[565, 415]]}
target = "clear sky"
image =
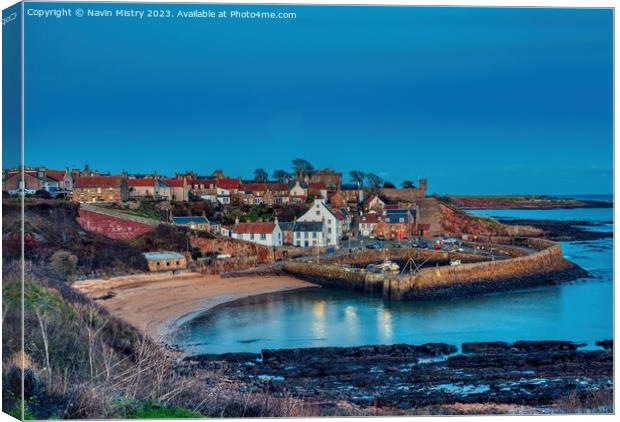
{"points": [[479, 101]]}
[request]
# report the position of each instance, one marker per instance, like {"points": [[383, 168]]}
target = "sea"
{"points": [[581, 310]]}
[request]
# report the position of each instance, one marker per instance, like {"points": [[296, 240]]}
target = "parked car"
{"points": [[22, 191], [375, 245], [422, 244], [381, 237]]}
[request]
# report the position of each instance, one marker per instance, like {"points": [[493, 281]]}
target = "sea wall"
{"points": [[369, 256], [545, 266]]}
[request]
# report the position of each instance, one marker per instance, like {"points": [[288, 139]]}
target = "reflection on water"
{"points": [[580, 311]]}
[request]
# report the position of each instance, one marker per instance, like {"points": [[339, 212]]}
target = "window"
{"points": [[318, 212], [177, 262], [401, 219], [314, 235], [263, 236], [252, 236], [329, 230], [297, 235], [305, 235], [167, 263]]}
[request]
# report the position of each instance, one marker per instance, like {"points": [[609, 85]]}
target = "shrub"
{"points": [[64, 264]]}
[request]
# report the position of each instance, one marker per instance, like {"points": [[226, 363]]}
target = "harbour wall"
{"points": [[543, 267]]}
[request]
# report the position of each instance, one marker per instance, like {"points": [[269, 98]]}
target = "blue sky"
{"points": [[479, 101]]}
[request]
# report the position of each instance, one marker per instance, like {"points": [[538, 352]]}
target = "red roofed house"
{"points": [[368, 222], [267, 233], [317, 189], [148, 187], [179, 188], [101, 189], [227, 189]]}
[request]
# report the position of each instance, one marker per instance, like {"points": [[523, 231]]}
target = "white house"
{"points": [[319, 212], [223, 196], [298, 189], [368, 222], [265, 233], [308, 233]]}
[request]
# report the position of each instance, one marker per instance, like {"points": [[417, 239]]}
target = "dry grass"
{"points": [[594, 401], [84, 363]]}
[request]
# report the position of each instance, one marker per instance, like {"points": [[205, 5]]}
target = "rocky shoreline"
{"points": [[558, 230], [403, 377]]}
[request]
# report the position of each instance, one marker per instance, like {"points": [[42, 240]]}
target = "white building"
{"points": [[223, 196], [308, 233], [319, 212], [261, 232]]}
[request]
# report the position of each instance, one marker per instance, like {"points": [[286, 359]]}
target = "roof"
{"points": [[286, 225], [257, 227], [254, 187], [56, 174], [176, 182], [278, 185], [370, 199], [393, 216], [188, 220], [141, 182], [339, 215], [302, 184], [370, 218], [98, 182], [156, 256], [228, 183], [308, 226], [316, 185]]}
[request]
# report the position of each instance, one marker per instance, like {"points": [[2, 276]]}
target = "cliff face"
{"points": [[453, 221]]}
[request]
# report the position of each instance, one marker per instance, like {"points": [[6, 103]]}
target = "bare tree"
{"points": [[302, 167], [374, 181], [260, 175], [358, 177], [281, 175]]}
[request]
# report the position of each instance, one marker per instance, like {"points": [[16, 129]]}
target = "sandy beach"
{"points": [[159, 303]]}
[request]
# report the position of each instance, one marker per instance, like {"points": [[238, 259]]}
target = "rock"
{"points": [[532, 346], [485, 347], [606, 344]]}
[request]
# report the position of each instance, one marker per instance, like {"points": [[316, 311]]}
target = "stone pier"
{"points": [[546, 265]]}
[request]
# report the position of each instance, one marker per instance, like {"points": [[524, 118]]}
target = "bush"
{"points": [[64, 264]]}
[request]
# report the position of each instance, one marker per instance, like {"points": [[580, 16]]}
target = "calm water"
{"points": [[581, 310]]}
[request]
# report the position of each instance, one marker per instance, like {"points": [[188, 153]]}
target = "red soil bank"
{"points": [[112, 227]]}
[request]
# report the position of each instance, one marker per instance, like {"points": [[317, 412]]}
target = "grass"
{"points": [[150, 410], [16, 411]]}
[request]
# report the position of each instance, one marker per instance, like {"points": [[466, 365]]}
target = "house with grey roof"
{"points": [[308, 233], [200, 223]]}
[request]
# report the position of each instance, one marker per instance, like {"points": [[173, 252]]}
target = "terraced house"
{"points": [[101, 189], [265, 233]]}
